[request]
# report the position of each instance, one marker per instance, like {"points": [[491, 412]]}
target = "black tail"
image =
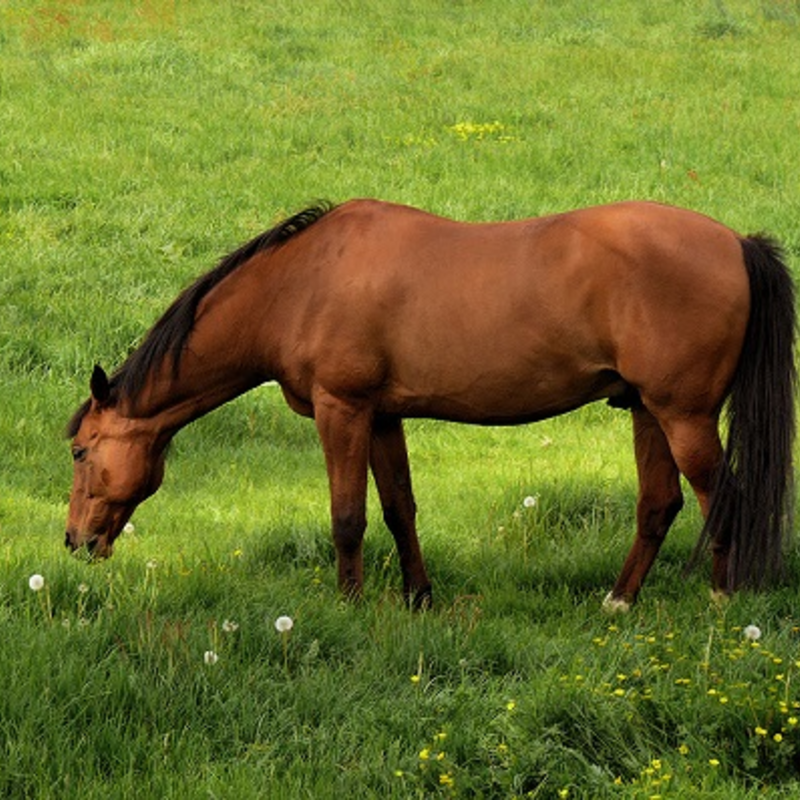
{"points": [[752, 503]]}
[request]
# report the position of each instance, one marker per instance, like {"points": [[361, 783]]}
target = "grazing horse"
{"points": [[370, 312]]}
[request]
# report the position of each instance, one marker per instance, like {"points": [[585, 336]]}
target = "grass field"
{"points": [[141, 141]]}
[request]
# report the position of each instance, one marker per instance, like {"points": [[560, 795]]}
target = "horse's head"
{"points": [[118, 463]]}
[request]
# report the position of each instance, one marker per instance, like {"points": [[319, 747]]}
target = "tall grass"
{"points": [[142, 141]]}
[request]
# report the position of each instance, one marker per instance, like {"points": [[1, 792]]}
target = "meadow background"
{"points": [[141, 141]]}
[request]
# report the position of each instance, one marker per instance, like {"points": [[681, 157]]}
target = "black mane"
{"points": [[167, 338]]}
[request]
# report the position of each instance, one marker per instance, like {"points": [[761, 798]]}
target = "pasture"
{"points": [[141, 142]]}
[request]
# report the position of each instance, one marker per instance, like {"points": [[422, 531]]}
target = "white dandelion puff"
{"points": [[36, 582], [284, 624], [752, 632]]}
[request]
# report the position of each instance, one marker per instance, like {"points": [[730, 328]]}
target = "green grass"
{"points": [[142, 141]]}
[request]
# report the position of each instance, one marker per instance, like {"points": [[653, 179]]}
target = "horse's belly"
{"points": [[501, 399]]}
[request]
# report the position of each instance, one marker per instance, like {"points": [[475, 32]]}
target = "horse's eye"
{"points": [[78, 453]]}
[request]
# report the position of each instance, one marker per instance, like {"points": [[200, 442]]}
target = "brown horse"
{"points": [[371, 312]]}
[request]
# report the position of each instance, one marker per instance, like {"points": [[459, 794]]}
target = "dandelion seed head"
{"points": [[752, 632], [531, 501], [210, 657], [284, 624], [36, 582], [229, 626]]}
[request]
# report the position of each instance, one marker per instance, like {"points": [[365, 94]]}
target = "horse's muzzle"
{"points": [[96, 547]]}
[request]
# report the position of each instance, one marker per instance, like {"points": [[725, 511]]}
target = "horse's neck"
{"points": [[220, 362]]}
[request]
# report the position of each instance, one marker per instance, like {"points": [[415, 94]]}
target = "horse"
{"points": [[367, 313]]}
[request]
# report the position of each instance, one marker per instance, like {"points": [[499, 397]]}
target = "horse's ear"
{"points": [[101, 389]]}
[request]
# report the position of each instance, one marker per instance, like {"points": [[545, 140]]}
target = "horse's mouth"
{"points": [[94, 548]]}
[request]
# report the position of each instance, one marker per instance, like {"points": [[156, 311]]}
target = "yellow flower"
{"points": [[683, 749], [714, 762], [424, 754], [778, 737], [415, 679], [511, 705], [563, 792], [446, 779], [761, 731]]}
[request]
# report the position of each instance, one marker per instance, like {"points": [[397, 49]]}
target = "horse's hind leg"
{"points": [[698, 452], [659, 501], [389, 462]]}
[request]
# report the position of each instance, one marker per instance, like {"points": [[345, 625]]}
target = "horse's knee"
{"points": [[348, 532]]}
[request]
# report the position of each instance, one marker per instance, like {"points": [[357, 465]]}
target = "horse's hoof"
{"points": [[616, 605], [422, 599], [719, 597]]}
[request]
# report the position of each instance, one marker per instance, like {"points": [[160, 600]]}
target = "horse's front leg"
{"points": [[389, 462], [344, 430]]}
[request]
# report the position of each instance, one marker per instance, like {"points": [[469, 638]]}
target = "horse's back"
{"points": [[517, 320]]}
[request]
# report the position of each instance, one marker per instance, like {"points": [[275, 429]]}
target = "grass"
{"points": [[141, 142]]}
